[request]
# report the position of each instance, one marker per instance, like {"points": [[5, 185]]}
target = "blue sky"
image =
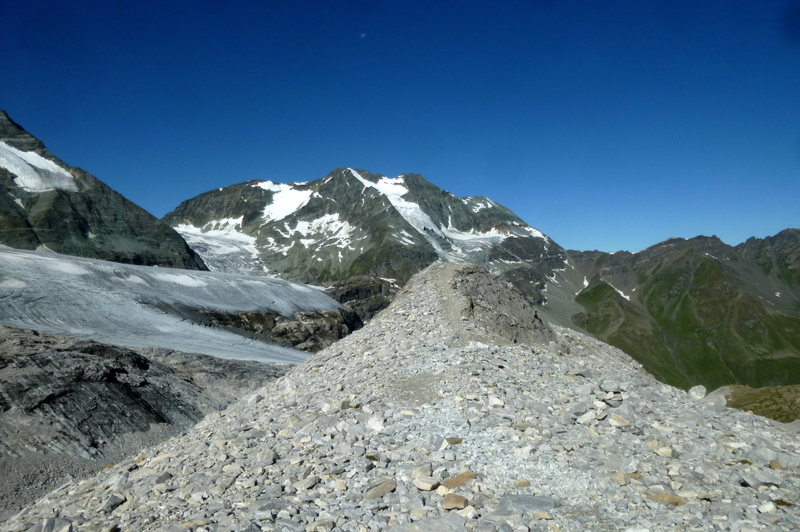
{"points": [[606, 124]]}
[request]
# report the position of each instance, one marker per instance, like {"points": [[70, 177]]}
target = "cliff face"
{"points": [[47, 204]]}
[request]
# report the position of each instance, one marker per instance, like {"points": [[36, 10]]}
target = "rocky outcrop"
{"points": [[46, 204], [424, 421], [364, 295], [309, 331], [75, 405]]}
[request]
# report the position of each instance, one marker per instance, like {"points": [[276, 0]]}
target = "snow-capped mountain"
{"points": [[353, 222], [46, 204]]}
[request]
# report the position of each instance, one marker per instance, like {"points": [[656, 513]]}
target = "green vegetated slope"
{"points": [[701, 312]]}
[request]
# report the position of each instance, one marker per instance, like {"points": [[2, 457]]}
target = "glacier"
{"points": [[145, 306]]}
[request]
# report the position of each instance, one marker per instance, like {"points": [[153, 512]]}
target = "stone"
{"points": [[56, 524], [757, 479], [459, 480], [307, 483], [453, 501], [111, 503], [621, 479], [380, 490], [697, 392], [767, 507], [450, 522], [615, 420], [666, 498], [426, 483], [526, 503]]}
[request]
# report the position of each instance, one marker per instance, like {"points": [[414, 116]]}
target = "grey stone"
{"points": [[450, 522]]}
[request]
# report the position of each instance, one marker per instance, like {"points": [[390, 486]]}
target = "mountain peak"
{"points": [[354, 222]]}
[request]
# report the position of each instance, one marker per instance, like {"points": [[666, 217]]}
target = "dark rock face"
{"points": [[309, 331], [45, 203], [64, 395], [69, 406], [698, 311], [364, 295]]}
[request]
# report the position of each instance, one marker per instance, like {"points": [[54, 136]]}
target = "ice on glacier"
{"points": [[142, 306]]}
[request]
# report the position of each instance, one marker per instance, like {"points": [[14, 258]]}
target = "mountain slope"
{"points": [[356, 223], [432, 419], [46, 204], [699, 311]]}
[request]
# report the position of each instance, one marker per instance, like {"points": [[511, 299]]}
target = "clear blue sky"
{"points": [[606, 124]]}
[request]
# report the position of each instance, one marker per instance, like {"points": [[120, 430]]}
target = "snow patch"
{"points": [[286, 200], [492, 236], [533, 232], [479, 205], [620, 292], [394, 190], [17, 200], [329, 229], [33, 172]]}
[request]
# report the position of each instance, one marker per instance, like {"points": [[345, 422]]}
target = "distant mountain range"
{"points": [[693, 311], [698, 311]]}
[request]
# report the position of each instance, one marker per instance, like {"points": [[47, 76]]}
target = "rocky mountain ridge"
{"points": [[47, 204], [436, 417]]}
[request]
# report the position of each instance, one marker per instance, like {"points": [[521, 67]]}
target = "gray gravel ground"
{"points": [[433, 418]]}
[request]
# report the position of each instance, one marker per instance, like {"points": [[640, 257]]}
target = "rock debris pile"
{"points": [[432, 418]]}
